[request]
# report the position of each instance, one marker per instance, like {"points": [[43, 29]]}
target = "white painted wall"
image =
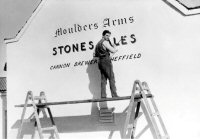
{"points": [[169, 63]]}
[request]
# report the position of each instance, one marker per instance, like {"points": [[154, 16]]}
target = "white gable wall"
{"points": [[167, 41]]}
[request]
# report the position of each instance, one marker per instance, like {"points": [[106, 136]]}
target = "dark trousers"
{"points": [[106, 70]]}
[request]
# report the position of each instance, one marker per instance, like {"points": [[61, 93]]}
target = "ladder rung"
{"points": [[39, 97], [137, 88], [27, 120], [48, 128], [144, 88], [130, 126], [155, 114], [165, 137]]}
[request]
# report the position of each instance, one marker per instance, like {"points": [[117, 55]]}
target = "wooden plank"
{"points": [[137, 97]]}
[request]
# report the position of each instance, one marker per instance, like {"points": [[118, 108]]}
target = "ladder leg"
{"points": [[159, 118], [50, 115], [42, 95], [23, 115], [43, 98], [36, 111], [130, 112], [53, 123], [129, 126], [56, 133], [135, 119], [33, 135], [149, 121], [148, 111], [157, 111]]}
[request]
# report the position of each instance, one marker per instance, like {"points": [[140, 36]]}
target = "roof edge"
{"points": [[182, 8], [26, 25], [20, 33]]}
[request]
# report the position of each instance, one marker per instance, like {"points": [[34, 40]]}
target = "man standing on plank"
{"points": [[102, 51]]}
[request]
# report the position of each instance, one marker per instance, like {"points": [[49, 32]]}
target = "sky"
{"points": [[13, 16]]}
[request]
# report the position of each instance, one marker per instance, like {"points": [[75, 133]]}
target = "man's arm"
{"points": [[107, 45]]}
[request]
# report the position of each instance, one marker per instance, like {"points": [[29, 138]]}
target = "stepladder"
{"points": [[34, 117], [148, 107]]}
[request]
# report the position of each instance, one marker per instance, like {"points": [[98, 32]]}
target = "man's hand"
{"points": [[107, 45], [114, 45]]}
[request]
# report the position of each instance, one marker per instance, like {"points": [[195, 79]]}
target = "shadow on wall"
{"points": [[76, 124], [95, 86], [82, 123]]}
